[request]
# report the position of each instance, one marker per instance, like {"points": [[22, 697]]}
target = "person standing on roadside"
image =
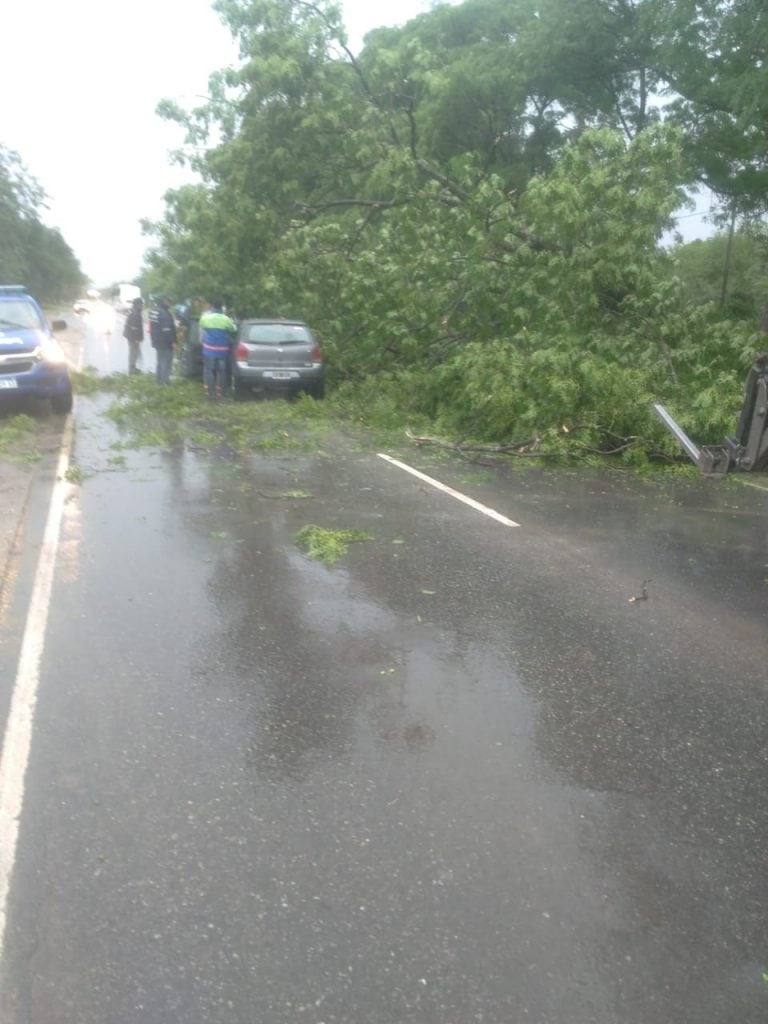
{"points": [[162, 331], [134, 333], [217, 331]]}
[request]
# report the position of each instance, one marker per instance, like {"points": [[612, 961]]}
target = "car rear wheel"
{"points": [[316, 390]]}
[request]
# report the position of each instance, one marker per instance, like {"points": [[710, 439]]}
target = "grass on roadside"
{"points": [[20, 438]]}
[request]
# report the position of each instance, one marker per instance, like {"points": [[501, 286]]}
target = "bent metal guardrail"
{"points": [[748, 449]]}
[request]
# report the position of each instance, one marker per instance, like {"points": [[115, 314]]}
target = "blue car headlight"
{"points": [[50, 351]]}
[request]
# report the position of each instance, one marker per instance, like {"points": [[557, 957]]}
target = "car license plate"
{"points": [[8, 382], [281, 375]]}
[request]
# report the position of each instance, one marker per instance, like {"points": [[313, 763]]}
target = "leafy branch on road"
{"points": [[179, 416], [328, 545], [74, 474]]}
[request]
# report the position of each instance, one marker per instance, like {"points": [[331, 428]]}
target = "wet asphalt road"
{"points": [[456, 777], [103, 347]]}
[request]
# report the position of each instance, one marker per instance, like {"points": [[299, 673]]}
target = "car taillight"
{"points": [[317, 355], [241, 352]]}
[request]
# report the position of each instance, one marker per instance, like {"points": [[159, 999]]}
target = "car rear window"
{"points": [[275, 334], [17, 313]]}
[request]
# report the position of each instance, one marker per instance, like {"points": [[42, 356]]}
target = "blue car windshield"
{"points": [[17, 313]]}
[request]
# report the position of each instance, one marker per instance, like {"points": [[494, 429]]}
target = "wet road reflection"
{"points": [[103, 347], [455, 777]]}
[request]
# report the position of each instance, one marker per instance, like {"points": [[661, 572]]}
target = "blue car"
{"points": [[32, 363]]}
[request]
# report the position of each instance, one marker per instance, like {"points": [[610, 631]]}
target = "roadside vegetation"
{"points": [[32, 253], [20, 438], [180, 416], [367, 414], [474, 212]]}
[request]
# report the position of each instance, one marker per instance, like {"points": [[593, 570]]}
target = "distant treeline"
{"points": [[31, 253]]}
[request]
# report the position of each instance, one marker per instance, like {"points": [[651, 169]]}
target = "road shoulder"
{"points": [[24, 461]]}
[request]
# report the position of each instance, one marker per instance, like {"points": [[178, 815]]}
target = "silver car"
{"points": [[277, 355]]}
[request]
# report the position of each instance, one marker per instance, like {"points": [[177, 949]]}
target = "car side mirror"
{"points": [[59, 325]]}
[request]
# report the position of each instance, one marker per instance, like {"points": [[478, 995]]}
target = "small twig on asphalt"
{"points": [[642, 596]]}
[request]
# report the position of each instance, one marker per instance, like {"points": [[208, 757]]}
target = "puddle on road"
{"points": [[319, 663], [326, 646], [407, 750]]}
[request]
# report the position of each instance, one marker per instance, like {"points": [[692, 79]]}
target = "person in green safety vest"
{"points": [[217, 332]]}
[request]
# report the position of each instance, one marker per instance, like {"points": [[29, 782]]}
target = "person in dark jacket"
{"points": [[162, 331], [134, 333]]}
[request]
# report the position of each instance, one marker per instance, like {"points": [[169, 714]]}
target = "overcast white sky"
{"points": [[79, 82]]}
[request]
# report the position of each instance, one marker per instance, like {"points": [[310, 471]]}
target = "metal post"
{"points": [[690, 448]]}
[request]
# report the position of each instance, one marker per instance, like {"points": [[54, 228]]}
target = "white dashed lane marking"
{"points": [[491, 513]]}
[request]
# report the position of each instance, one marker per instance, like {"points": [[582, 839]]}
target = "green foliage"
{"points": [[712, 54], [385, 402], [471, 211], [31, 253], [328, 545], [19, 438], [729, 273], [172, 417], [498, 392], [87, 381], [74, 474]]}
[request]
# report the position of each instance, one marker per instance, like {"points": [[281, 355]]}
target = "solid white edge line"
{"points": [[749, 483], [18, 730], [449, 490]]}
